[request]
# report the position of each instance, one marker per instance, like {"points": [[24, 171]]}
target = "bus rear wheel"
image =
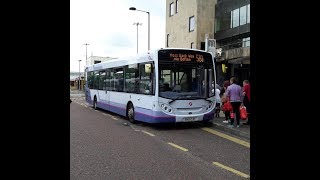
{"points": [[130, 113]]}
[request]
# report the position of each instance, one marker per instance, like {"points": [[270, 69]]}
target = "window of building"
{"points": [[235, 43], [167, 40], [203, 46], [248, 13], [192, 44], [217, 25], [246, 42], [224, 21], [235, 18], [191, 23], [171, 9], [231, 19], [177, 6], [243, 15]]}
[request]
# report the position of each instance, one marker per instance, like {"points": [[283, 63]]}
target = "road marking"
{"points": [[179, 147], [150, 134], [114, 118], [96, 110], [236, 140], [83, 105], [105, 114], [232, 170]]}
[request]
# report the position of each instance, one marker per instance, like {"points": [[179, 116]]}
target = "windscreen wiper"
{"points": [[178, 97], [188, 98]]}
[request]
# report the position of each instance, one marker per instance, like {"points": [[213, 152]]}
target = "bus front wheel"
{"points": [[95, 103], [130, 113]]}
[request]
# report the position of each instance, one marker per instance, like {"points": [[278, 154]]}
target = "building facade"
{"points": [[232, 34], [188, 21], [227, 21]]}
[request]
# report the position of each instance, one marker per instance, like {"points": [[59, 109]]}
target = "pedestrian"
{"points": [[218, 103], [234, 94], [224, 100], [246, 99]]}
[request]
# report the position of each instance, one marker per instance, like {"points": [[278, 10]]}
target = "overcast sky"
{"points": [[107, 26]]}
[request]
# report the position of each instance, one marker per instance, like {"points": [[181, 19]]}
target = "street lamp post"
{"points": [[79, 76], [85, 78], [134, 9], [86, 50], [137, 24]]}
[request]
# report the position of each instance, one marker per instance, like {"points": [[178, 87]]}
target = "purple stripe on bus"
{"points": [[209, 116], [154, 119], [112, 108], [146, 115]]}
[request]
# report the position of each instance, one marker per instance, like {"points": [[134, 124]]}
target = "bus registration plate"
{"points": [[187, 119]]}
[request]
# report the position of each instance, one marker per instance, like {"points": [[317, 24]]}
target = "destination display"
{"points": [[184, 56]]}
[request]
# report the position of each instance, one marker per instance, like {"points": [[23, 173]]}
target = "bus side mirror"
{"points": [[147, 68], [224, 68]]}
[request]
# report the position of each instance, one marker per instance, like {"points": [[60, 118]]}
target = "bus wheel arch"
{"points": [[130, 112], [95, 102]]}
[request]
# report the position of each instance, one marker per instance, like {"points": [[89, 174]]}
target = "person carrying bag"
{"points": [[243, 112]]}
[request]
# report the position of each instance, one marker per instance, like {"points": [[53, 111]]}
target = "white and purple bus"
{"points": [[166, 85]]}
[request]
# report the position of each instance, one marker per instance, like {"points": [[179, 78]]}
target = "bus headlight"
{"points": [[166, 108], [209, 107]]}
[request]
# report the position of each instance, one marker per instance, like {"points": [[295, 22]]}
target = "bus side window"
{"points": [[146, 77], [119, 79], [96, 80]]}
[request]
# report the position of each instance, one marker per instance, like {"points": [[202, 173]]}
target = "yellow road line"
{"points": [[232, 170], [147, 133], [236, 140], [179, 147]]}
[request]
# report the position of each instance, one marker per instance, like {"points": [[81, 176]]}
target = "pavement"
{"points": [[243, 131]]}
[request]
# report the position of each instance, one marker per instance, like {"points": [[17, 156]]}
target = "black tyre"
{"points": [[130, 113], [95, 103]]}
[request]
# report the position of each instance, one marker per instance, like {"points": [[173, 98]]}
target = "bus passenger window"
{"points": [[146, 78]]}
